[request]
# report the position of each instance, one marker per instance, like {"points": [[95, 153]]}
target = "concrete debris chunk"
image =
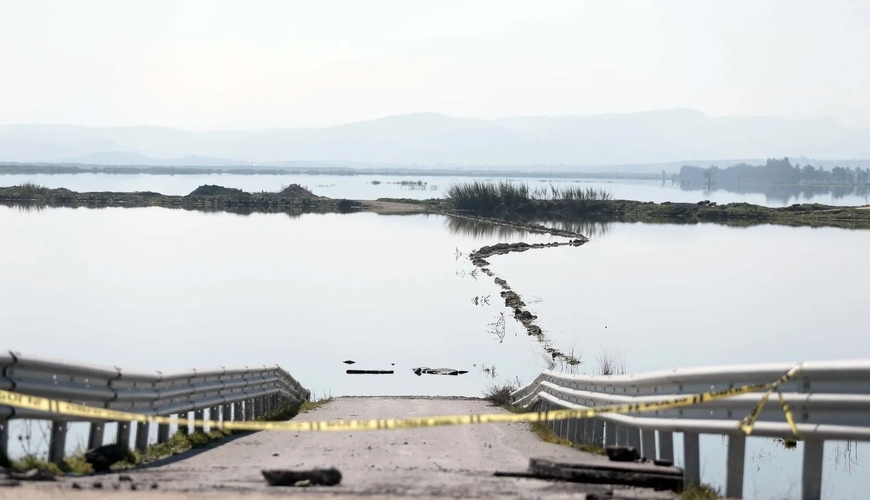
{"points": [[103, 457], [299, 478]]}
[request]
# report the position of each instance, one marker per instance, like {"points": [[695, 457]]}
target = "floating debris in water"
{"points": [[437, 371], [348, 361], [369, 372]]}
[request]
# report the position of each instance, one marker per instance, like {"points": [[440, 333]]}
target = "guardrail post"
{"points": [[57, 441], [598, 431], [648, 444], [95, 435], [163, 433], [249, 410], [198, 415], [580, 432], [692, 458], [572, 429], [634, 437], [550, 423], [226, 413], [610, 434], [237, 412], [142, 431], [213, 416], [621, 435], [588, 431], [183, 423], [736, 460], [4, 443], [123, 436], [811, 476], [666, 445]]}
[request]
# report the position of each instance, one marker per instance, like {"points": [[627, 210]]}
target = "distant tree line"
{"points": [[774, 172]]}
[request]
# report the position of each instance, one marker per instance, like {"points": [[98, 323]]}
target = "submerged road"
{"points": [[431, 462]]}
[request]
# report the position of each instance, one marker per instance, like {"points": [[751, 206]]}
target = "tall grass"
{"points": [[488, 196], [32, 189]]}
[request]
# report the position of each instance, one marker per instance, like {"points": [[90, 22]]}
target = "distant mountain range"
{"points": [[665, 138]]}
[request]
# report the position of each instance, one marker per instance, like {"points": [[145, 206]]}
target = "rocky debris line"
{"points": [[525, 226], [479, 256], [512, 300]]}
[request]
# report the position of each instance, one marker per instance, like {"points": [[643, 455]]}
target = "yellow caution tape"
{"points": [[749, 421], [25, 401]]}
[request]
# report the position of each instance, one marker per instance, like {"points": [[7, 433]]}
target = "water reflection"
{"points": [[788, 195], [587, 227], [26, 206], [242, 210], [480, 230]]}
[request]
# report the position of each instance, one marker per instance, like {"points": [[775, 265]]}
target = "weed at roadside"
{"points": [[545, 434], [73, 464], [700, 492], [500, 395]]}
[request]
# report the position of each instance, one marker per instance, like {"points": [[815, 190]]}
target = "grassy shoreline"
{"points": [[505, 202]]}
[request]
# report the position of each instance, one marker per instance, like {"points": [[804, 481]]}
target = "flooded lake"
{"points": [[164, 289], [365, 187]]}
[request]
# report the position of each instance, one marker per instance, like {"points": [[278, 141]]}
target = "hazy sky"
{"points": [[253, 63]]}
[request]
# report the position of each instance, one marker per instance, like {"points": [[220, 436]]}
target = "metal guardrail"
{"points": [[237, 394], [830, 401]]}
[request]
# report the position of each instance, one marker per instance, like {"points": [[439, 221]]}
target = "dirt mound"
{"points": [[296, 191], [211, 190]]}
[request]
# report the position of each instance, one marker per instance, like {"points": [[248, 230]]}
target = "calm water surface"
{"points": [[361, 187], [669, 296], [167, 289]]}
